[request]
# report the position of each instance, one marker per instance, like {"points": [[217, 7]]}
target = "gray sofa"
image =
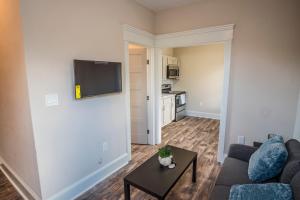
{"points": [[235, 170]]}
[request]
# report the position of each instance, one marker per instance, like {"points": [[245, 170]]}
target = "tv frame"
{"points": [[101, 94]]}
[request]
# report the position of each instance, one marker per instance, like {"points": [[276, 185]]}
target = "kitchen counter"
{"points": [[163, 95]]}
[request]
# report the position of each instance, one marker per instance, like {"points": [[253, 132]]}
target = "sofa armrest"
{"points": [[241, 152]]}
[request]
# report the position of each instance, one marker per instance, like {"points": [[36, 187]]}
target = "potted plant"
{"points": [[165, 156]]}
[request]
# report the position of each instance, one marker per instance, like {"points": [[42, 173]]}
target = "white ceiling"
{"points": [[158, 5]]}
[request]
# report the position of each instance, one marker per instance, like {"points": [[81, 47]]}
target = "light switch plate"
{"points": [[105, 146], [51, 100], [241, 139]]}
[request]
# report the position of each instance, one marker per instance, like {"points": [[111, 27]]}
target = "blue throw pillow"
{"points": [[276, 138], [268, 161], [270, 191]]}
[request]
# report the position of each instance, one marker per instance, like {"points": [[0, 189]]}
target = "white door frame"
{"points": [[154, 43], [133, 35], [203, 36]]}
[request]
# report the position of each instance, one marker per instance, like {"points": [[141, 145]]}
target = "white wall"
{"points": [[264, 79], [297, 123], [69, 137], [265, 62], [201, 75], [17, 148]]}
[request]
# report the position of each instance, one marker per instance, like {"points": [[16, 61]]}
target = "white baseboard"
{"points": [[21, 181], [221, 160], [86, 183], [202, 114]]}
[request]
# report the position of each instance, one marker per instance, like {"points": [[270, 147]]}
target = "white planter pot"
{"points": [[165, 161]]}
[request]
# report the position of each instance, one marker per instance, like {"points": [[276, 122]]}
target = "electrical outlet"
{"points": [[100, 161], [241, 139], [105, 146], [201, 103]]}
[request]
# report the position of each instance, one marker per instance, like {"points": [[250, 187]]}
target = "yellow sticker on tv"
{"points": [[77, 92]]}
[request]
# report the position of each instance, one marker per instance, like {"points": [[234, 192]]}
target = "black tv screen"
{"points": [[96, 77]]}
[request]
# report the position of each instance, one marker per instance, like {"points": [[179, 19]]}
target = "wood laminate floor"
{"points": [[196, 134], [7, 191]]}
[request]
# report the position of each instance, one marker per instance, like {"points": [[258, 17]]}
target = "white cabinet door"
{"points": [[173, 108], [174, 61], [169, 60], [162, 112], [164, 67], [167, 110]]}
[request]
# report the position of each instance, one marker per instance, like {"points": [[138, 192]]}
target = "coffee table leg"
{"points": [[194, 170], [126, 190]]}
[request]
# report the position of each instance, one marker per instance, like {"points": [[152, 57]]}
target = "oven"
{"points": [[180, 106], [173, 72], [180, 99]]}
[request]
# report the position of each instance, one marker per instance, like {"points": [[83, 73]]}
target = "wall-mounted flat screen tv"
{"points": [[96, 77]]}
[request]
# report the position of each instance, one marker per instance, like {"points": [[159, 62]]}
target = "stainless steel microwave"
{"points": [[173, 72]]}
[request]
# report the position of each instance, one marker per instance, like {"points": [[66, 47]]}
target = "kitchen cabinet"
{"points": [[164, 68], [167, 60], [167, 109], [173, 108], [172, 60]]}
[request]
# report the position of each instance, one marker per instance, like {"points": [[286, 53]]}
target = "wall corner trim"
{"points": [[203, 114], [78, 188]]}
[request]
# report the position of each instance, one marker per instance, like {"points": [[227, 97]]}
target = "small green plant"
{"points": [[164, 152]]}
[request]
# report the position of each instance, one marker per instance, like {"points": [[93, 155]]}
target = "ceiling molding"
{"points": [[197, 31], [160, 5], [134, 35], [195, 37]]}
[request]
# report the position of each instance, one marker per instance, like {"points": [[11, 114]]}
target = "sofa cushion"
{"points": [[241, 152], [220, 192], [295, 183], [293, 164], [293, 146], [269, 191], [233, 172], [289, 171], [268, 161]]}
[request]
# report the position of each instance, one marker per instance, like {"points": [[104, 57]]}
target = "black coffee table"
{"points": [[156, 180]]}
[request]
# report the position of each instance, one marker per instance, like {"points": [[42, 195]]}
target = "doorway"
{"points": [[218, 34], [210, 35], [197, 91], [139, 93]]}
